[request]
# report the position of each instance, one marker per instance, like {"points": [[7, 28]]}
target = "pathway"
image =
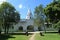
{"points": [[33, 37]]}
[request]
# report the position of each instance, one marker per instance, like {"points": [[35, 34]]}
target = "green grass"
{"points": [[19, 37], [48, 36]]}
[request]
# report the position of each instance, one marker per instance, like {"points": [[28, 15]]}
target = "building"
{"points": [[26, 24]]}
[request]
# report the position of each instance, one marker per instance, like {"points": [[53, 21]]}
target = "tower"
{"points": [[29, 14]]}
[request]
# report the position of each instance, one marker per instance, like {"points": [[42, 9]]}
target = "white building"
{"points": [[26, 24]]}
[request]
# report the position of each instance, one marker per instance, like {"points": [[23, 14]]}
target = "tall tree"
{"points": [[39, 16], [1, 21], [9, 15], [53, 11]]}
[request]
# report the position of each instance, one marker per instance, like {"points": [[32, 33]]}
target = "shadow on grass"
{"points": [[5, 37], [51, 32], [20, 33]]}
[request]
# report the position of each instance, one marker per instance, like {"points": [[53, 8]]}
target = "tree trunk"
{"points": [[5, 30], [44, 28], [0, 31]]}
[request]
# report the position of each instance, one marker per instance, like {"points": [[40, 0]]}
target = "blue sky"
{"points": [[22, 6]]}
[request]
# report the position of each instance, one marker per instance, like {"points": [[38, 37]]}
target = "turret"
{"points": [[29, 14]]}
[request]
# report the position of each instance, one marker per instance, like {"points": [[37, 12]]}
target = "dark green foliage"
{"points": [[53, 11], [9, 15]]}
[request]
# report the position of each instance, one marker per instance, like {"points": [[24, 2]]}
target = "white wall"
{"points": [[25, 25]]}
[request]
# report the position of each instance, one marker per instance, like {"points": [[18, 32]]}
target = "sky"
{"points": [[22, 6]]}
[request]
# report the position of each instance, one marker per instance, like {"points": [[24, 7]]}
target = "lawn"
{"points": [[19, 37], [48, 36]]}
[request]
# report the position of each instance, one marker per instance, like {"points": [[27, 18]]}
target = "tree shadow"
{"points": [[5, 37], [20, 33]]}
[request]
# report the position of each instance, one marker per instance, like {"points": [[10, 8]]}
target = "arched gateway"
{"points": [[26, 24], [30, 28]]}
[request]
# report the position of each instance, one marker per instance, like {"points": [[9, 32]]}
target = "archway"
{"points": [[39, 29], [30, 28], [20, 28]]}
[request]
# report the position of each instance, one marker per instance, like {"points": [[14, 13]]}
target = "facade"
{"points": [[26, 24]]}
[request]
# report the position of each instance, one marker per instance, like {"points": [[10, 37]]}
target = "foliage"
{"points": [[53, 11], [9, 15], [57, 25], [39, 16]]}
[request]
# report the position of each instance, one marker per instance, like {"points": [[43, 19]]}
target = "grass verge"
{"points": [[48, 36]]}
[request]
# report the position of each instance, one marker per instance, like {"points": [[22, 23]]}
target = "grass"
{"points": [[5, 37], [19, 37], [48, 36], [16, 36]]}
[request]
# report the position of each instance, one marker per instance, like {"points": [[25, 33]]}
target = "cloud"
{"points": [[21, 6], [1, 1]]}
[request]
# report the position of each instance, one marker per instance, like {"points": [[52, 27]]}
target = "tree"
{"points": [[39, 16], [53, 11], [9, 15], [57, 25], [1, 20]]}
